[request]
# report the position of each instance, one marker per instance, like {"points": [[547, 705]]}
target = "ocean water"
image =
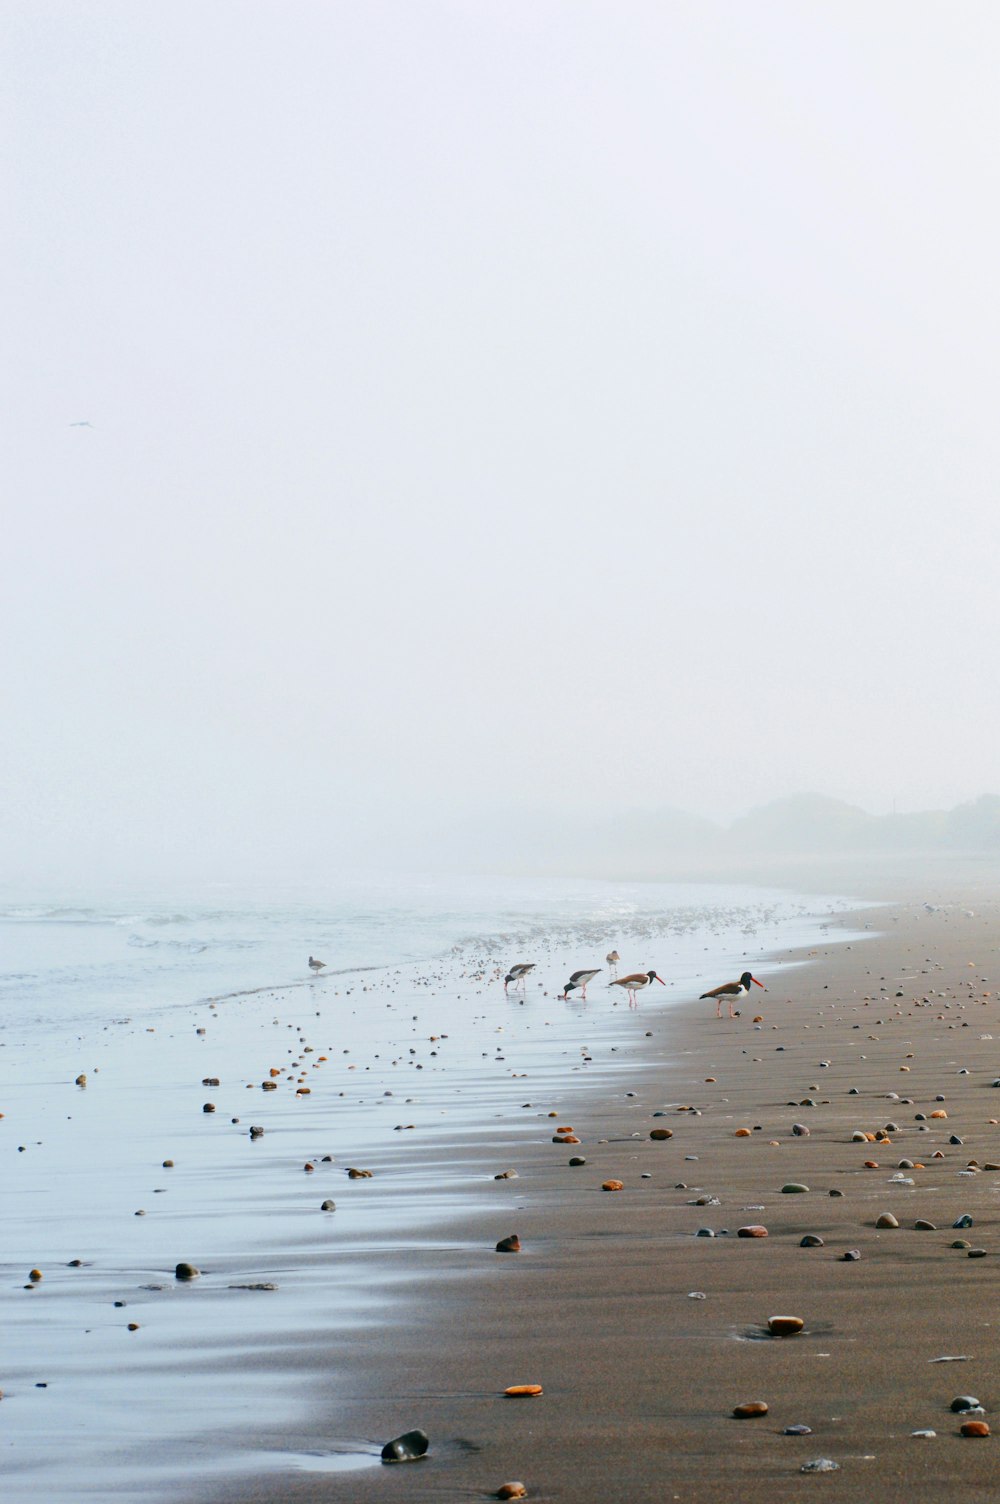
{"points": [[406, 1046], [71, 962]]}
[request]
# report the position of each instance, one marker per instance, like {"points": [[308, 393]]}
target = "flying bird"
{"points": [[518, 973], [635, 982], [580, 979], [731, 991], [316, 966]]}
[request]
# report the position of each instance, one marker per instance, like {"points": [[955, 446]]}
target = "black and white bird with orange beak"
{"points": [[518, 973], [635, 982], [731, 991], [580, 979]]}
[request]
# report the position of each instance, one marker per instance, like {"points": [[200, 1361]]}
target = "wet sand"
{"points": [[394, 1311], [640, 1376]]}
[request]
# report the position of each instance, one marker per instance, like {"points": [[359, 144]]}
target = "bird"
{"points": [[316, 966], [580, 979], [518, 973], [731, 991], [635, 981], [612, 959]]}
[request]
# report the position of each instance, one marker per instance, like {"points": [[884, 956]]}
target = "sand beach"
{"points": [[310, 1337]]}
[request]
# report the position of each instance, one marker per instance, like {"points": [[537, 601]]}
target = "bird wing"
{"points": [[721, 991], [631, 979]]}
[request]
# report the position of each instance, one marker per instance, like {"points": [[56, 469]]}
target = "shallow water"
{"points": [[420, 1044]]}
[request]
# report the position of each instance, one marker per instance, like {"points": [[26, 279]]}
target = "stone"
{"points": [[964, 1402], [975, 1428], [81, 1079], [797, 1431], [851, 1256], [811, 1240], [963, 1221], [509, 1174], [784, 1326], [328, 1206], [523, 1391], [186, 1271], [794, 1188], [750, 1410], [509, 1245], [922, 1225], [886, 1220], [820, 1465], [704, 1232], [976, 1253], [409, 1447], [577, 1160], [355, 1174], [661, 1133], [743, 1133], [613, 1185], [512, 1491], [926, 1435], [208, 1107], [754, 1230], [800, 1130], [256, 1131], [565, 1138], [210, 1081]]}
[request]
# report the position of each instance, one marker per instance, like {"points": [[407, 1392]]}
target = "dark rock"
{"points": [[509, 1245], [409, 1447], [963, 1221], [811, 1240], [964, 1402], [186, 1271], [851, 1256]]}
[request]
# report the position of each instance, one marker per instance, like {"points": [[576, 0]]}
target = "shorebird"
{"points": [[580, 979], [518, 973], [635, 982], [316, 966], [731, 991], [612, 959]]}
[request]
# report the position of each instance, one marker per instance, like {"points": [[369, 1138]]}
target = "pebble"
{"points": [[784, 1326], [613, 1185], [512, 1491], [750, 1409], [924, 1435], [976, 1253], [328, 1206], [793, 1188], [661, 1133], [409, 1447], [964, 1402], [886, 1220], [523, 1391], [851, 1256], [975, 1428], [578, 1160], [509, 1174], [509, 1245], [797, 1431], [820, 1465], [811, 1240], [754, 1230], [800, 1130], [963, 1221], [922, 1225], [186, 1271]]}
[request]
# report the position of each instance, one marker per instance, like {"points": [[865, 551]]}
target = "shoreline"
{"points": [[640, 1379]]}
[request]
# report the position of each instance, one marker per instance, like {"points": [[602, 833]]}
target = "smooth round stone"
{"points": [[328, 1206], [784, 1326], [976, 1253], [859, 1137], [924, 1435], [705, 1232], [409, 1447], [851, 1256], [800, 1130], [811, 1240], [186, 1271], [797, 1431], [754, 1230], [963, 1221], [922, 1225], [794, 1188], [835, 1193], [975, 1428], [964, 1402], [954, 1139], [886, 1219], [905, 1164], [578, 1160], [509, 1245], [512, 1491], [750, 1410], [613, 1185], [661, 1133], [961, 1243], [820, 1465], [523, 1391]]}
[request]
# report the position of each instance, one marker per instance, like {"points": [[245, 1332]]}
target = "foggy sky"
{"points": [[509, 405]]}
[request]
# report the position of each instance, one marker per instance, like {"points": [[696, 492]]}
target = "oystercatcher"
{"points": [[518, 974], [580, 979], [731, 991], [635, 982], [316, 966]]}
